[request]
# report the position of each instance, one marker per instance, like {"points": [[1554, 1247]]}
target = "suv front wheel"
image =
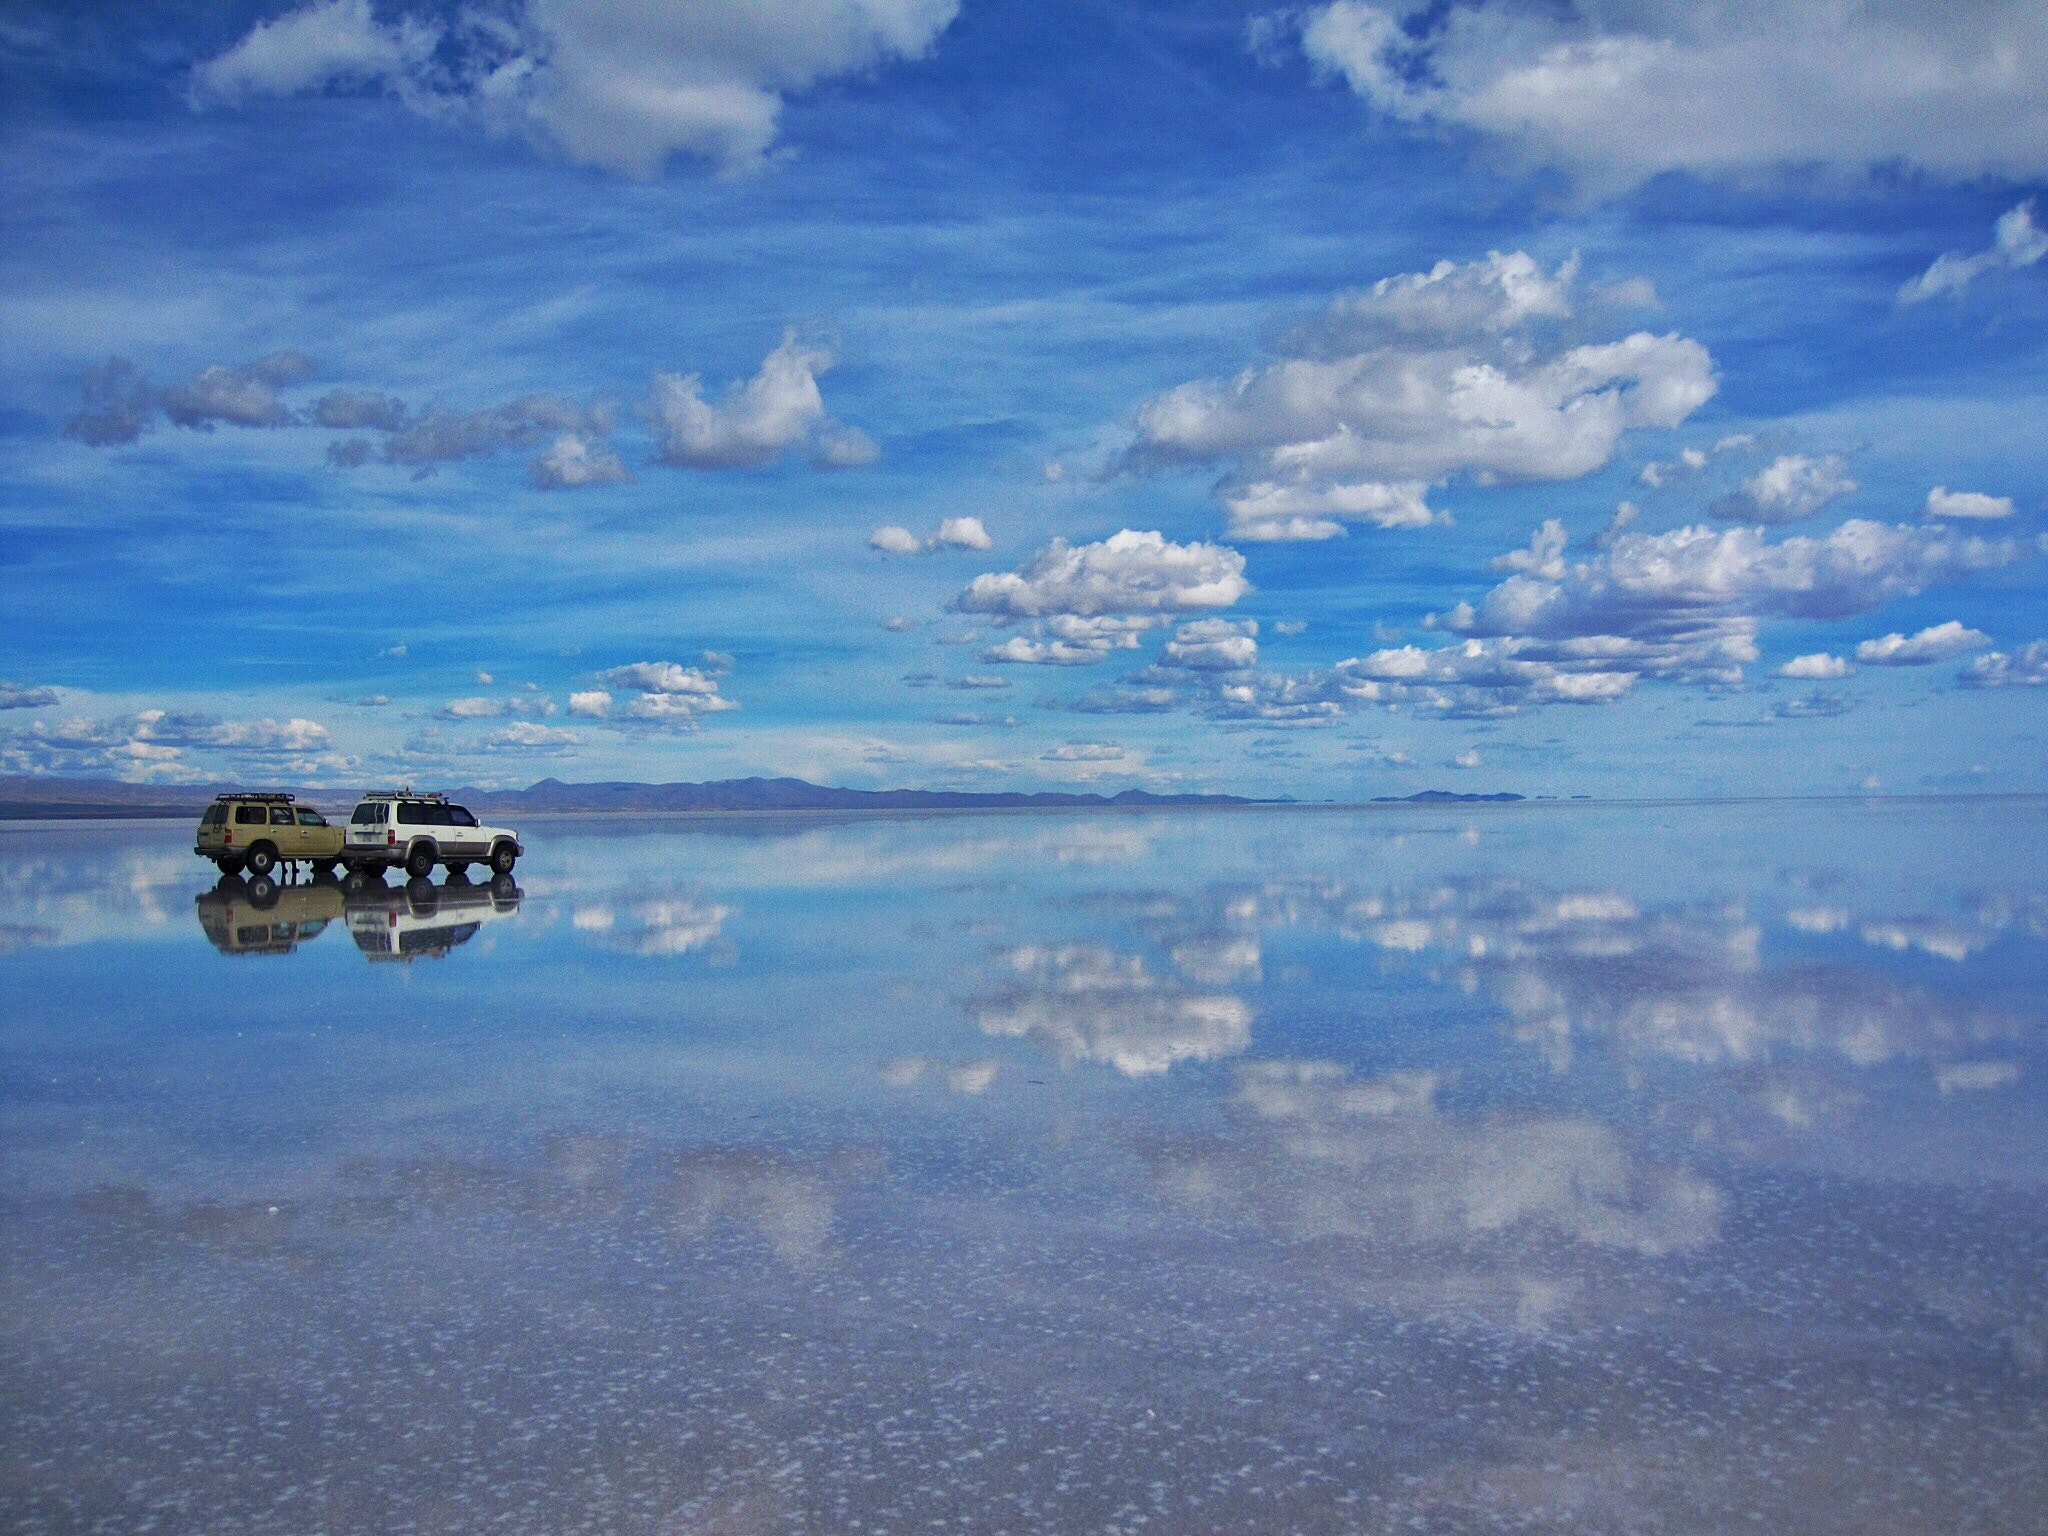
{"points": [[420, 860], [503, 857]]}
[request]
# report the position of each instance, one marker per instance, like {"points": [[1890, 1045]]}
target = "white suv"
{"points": [[399, 827]]}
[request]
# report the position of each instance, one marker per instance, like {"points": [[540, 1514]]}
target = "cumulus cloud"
{"points": [[1813, 706], [22, 696], [2018, 242], [1415, 381], [525, 736], [1127, 573], [953, 533], [1688, 602], [577, 459], [1819, 667], [1790, 487], [1943, 502], [893, 540], [156, 742], [1939, 642], [1213, 645], [665, 693], [2026, 667], [754, 422], [617, 84], [1620, 92], [121, 403]]}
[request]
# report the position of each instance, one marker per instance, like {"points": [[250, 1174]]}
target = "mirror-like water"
{"points": [[1663, 1169]]}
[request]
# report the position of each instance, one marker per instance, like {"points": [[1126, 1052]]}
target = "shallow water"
{"points": [[1548, 1168]]}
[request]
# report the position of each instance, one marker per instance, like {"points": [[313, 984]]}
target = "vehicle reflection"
{"points": [[414, 921]]}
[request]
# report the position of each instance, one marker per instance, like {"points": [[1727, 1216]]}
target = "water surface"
{"points": [[1547, 1168]]}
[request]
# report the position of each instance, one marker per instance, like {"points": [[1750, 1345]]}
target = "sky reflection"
{"points": [[1546, 1169]]}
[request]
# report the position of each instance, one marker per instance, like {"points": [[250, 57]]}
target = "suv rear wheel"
{"points": [[262, 859], [419, 860], [229, 867]]}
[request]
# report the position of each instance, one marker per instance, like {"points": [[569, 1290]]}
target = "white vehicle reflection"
{"points": [[422, 920]]}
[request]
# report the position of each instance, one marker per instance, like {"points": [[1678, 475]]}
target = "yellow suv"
{"points": [[255, 832]]}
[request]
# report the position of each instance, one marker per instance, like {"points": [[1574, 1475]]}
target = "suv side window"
{"points": [[311, 818], [412, 814], [280, 815], [251, 816], [458, 817]]}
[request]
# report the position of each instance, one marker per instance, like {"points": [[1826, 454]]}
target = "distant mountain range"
{"points": [[23, 796]]}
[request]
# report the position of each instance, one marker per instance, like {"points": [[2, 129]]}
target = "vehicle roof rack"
{"points": [[403, 794], [256, 794]]}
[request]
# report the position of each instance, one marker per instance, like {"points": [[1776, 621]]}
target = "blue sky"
{"points": [[1185, 396]]}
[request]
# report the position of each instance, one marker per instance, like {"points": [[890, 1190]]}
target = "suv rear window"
{"points": [[368, 813], [215, 815]]}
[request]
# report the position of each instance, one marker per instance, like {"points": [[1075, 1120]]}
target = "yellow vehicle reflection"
{"points": [[261, 917]]}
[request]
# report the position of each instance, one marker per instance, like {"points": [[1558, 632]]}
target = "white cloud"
{"points": [[1127, 573], [1275, 513], [1415, 381], [21, 696], [1790, 487], [1068, 640], [121, 404], [577, 459], [1940, 642], [618, 84], [2025, 668], [525, 736], [963, 533], [1213, 645], [666, 693], [1084, 752], [893, 540], [154, 743], [1689, 600], [1819, 667], [954, 533], [755, 422], [1624, 90], [1943, 502], [472, 709], [2018, 242]]}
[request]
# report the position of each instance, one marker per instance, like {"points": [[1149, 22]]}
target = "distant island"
{"points": [[1445, 797], [25, 796]]}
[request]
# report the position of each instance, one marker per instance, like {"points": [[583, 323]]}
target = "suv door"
{"points": [[464, 833], [284, 831]]}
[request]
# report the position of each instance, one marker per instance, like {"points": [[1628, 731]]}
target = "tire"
{"points": [[420, 860], [229, 868], [503, 857], [458, 870], [262, 893], [504, 890], [359, 880], [262, 859]]}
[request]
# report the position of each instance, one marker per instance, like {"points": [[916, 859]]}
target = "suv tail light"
{"points": [[227, 836], [390, 839]]}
